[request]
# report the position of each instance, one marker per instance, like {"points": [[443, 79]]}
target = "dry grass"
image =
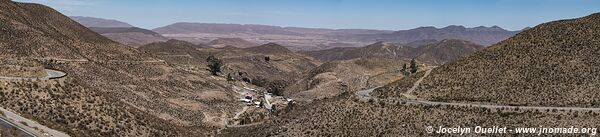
{"points": [[343, 116], [550, 65]]}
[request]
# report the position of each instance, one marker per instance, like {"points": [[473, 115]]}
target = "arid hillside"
{"points": [[549, 65], [31, 30], [446, 51], [433, 52], [271, 65], [345, 115], [379, 49], [21, 68], [552, 64], [110, 89], [333, 78]]}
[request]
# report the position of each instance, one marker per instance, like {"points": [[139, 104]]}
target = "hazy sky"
{"points": [[367, 14]]}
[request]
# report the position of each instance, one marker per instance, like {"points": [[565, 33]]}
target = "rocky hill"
{"points": [[549, 65], [236, 42], [379, 49], [446, 51], [433, 52], [110, 89], [31, 30], [333, 78], [271, 66], [269, 48], [346, 116]]}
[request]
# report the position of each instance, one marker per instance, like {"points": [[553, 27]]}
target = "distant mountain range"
{"points": [[429, 51], [479, 35], [297, 38], [294, 38], [215, 28]]}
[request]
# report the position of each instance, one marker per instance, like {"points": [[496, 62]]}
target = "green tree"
{"points": [[404, 67], [413, 66], [214, 65]]}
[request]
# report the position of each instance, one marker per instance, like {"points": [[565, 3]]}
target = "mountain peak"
{"points": [[492, 28], [425, 28], [454, 27]]}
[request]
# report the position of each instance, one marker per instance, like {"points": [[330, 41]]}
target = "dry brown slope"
{"points": [[345, 116], [446, 50], [119, 91], [333, 78], [552, 64], [32, 30], [281, 69], [432, 52]]}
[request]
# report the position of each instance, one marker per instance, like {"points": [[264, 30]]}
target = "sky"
{"points": [[337, 14]]}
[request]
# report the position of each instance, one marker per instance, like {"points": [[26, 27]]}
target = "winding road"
{"points": [[51, 74], [27, 127], [365, 94]]}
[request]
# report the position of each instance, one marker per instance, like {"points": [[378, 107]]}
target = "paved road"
{"points": [[8, 125], [365, 94], [51, 74], [62, 60], [31, 127]]}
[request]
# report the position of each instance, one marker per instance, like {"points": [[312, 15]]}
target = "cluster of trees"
{"points": [[413, 67]]}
